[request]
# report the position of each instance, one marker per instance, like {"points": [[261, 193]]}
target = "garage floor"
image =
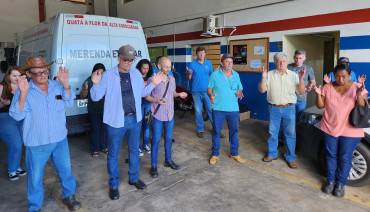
{"points": [[198, 186]]}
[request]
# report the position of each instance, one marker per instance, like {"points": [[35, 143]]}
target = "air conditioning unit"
{"points": [[210, 28]]}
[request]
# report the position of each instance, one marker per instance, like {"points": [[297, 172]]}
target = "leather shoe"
{"points": [[292, 164], [200, 134], [268, 159], [237, 158], [72, 203], [338, 191], [154, 172], [39, 210], [172, 165], [213, 159], [114, 194], [138, 184], [328, 188]]}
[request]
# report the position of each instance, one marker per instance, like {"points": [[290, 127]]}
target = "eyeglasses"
{"points": [[127, 60], [40, 73]]}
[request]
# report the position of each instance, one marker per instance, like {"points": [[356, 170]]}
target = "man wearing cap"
{"points": [[198, 74], [123, 88], [343, 60], [41, 104], [224, 89], [281, 86]]}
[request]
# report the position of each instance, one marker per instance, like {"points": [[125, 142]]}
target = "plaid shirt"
{"points": [[165, 111]]}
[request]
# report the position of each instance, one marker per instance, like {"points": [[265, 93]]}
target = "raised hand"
{"points": [[63, 76], [361, 88], [23, 84], [361, 79], [327, 79], [157, 78], [318, 90], [5, 102], [183, 95], [96, 77], [302, 73], [240, 94], [188, 71], [264, 72]]}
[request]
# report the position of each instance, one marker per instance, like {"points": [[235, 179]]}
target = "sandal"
{"points": [[95, 154], [105, 150]]}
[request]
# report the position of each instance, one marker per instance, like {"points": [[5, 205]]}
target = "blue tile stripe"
{"points": [[273, 47], [179, 51], [355, 42]]}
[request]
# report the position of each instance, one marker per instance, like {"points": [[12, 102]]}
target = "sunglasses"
{"points": [[40, 73]]}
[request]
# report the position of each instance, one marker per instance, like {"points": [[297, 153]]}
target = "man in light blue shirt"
{"points": [[41, 104], [198, 73], [123, 88], [224, 89]]}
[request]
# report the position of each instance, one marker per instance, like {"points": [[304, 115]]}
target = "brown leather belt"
{"points": [[281, 106]]}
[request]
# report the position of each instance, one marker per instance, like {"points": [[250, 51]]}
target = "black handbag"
{"points": [[148, 118], [360, 116]]}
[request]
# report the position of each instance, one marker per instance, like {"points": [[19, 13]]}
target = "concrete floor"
{"points": [[198, 186]]}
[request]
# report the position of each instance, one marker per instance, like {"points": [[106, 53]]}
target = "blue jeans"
{"points": [[300, 106], [115, 135], [11, 134], [199, 99], [145, 107], [157, 132], [99, 135], [36, 158], [286, 116], [339, 151], [232, 119]]}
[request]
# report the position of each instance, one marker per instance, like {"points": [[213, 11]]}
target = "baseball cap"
{"points": [[127, 52], [225, 56], [343, 60]]}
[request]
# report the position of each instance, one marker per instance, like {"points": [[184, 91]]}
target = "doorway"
{"points": [[322, 50]]}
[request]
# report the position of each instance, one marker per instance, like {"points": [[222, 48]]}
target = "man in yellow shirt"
{"points": [[281, 86]]}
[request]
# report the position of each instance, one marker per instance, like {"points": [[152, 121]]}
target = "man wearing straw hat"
{"points": [[41, 104]]}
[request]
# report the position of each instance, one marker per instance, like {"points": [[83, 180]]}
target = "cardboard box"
{"points": [[244, 116]]}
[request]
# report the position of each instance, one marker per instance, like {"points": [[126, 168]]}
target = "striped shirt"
{"points": [[165, 111], [44, 115]]}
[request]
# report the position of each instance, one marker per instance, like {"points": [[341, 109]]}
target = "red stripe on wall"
{"points": [[330, 19]]}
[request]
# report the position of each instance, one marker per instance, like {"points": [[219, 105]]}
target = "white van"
{"points": [[78, 42]]}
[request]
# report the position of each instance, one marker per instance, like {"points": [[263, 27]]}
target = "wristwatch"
{"points": [[69, 88]]}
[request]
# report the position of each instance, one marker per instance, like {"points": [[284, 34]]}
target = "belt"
{"points": [[281, 106], [130, 114]]}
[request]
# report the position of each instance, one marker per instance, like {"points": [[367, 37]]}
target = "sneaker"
{"points": [[200, 134], [147, 149], [21, 172], [13, 176], [141, 153]]}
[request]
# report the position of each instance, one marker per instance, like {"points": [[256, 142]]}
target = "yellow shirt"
{"points": [[281, 89]]}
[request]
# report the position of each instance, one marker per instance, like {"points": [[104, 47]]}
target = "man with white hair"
{"points": [[281, 86]]}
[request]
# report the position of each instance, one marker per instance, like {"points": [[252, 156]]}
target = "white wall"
{"points": [[16, 16], [101, 7], [54, 7], [156, 12]]}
